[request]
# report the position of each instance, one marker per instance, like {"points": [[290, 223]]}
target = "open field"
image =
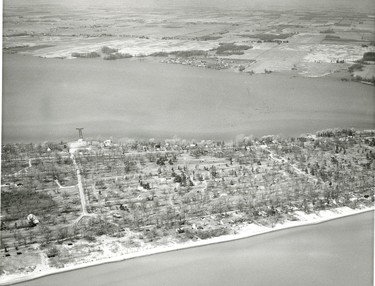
{"points": [[278, 40]]}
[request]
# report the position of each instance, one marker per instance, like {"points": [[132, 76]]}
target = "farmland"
{"points": [[140, 79], [145, 193], [255, 40]]}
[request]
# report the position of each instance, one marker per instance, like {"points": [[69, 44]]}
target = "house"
{"points": [[79, 145]]}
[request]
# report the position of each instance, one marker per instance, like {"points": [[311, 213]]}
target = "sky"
{"points": [[355, 5]]}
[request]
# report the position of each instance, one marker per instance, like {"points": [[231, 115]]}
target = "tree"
{"points": [[62, 233], [46, 233], [52, 252], [31, 236], [19, 237]]}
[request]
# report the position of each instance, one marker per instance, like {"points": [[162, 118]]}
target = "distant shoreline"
{"points": [[198, 124], [170, 100], [311, 219]]}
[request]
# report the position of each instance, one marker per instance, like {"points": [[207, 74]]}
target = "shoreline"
{"points": [[249, 109], [253, 111], [245, 232]]}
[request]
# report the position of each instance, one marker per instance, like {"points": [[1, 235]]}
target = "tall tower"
{"points": [[80, 135]]}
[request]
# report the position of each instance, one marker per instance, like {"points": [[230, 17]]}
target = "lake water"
{"points": [[338, 252], [46, 99]]}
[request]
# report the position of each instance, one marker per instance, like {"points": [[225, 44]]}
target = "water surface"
{"points": [[46, 99], [338, 252]]}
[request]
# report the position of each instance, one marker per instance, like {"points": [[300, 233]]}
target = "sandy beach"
{"points": [[245, 232], [218, 143]]}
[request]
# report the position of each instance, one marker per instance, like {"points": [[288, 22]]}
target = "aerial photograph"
{"points": [[187, 142]]}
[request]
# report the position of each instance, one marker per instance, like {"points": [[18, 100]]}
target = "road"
{"points": [[285, 160], [81, 191]]}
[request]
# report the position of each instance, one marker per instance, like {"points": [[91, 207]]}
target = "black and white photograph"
{"points": [[187, 142]]}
